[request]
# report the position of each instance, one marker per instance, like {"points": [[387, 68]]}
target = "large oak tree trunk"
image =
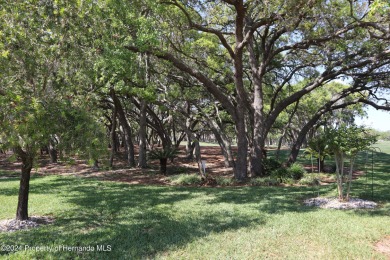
{"points": [[257, 154], [258, 114], [240, 171]]}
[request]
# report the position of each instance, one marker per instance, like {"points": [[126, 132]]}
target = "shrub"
{"points": [[280, 174], [289, 181], [267, 181], [223, 181], [309, 179], [270, 165], [185, 179], [296, 171]]}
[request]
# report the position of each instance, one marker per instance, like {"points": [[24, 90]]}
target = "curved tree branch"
{"points": [[207, 83]]}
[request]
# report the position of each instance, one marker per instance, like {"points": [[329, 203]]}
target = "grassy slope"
{"points": [[197, 223]]}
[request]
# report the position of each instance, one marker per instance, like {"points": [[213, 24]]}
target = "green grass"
{"points": [[383, 146], [197, 223], [185, 179]]}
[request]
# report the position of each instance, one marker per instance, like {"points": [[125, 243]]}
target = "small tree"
{"points": [[346, 142], [26, 123], [163, 155]]}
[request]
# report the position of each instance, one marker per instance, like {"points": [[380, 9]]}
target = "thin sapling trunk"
{"points": [[24, 188]]}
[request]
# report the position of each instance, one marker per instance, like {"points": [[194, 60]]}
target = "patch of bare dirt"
{"points": [[383, 246]]}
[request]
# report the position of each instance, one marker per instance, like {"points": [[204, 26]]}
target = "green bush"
{"points": [[280, 174], [289, 181], [270, 165], [185, 179], [296, 171], [309, 179], [267, 181], [223, 181]]}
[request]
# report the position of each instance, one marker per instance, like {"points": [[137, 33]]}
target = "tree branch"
{"points": [[202, 28], [207, 83], [374, 105]]}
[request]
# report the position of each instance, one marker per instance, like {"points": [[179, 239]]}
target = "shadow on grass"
{"points": [[271, 200], [143, 221], [375, 184], [137, 221], [8, 174]]}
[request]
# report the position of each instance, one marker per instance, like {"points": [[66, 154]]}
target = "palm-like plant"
{"points": [[163, 155], [317, 148]]}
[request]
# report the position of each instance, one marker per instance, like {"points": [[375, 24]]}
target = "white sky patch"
{"points": [[377, 119]]}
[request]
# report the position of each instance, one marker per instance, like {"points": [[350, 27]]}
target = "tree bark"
{"points": [[157, 124], [112, 136], [329, 106], [224, 144], [257, 71], [163, 165], [189, 146], [340, 174], [349, 182], [280, 142], [240, 171], [126, 128], [142, 136], [24, 188], [53, 151], [198, 157]]}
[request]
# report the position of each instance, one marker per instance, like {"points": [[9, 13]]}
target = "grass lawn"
{"points": [[197, 223]]}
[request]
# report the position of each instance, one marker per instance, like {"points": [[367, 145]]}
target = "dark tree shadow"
{"points": [[137, 221]]}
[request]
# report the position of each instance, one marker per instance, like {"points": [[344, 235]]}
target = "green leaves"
{"points": [[349, 139], [379, 7]]}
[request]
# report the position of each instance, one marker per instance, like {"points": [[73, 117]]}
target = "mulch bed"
{"points": [[11, 225], [334, 203]]}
